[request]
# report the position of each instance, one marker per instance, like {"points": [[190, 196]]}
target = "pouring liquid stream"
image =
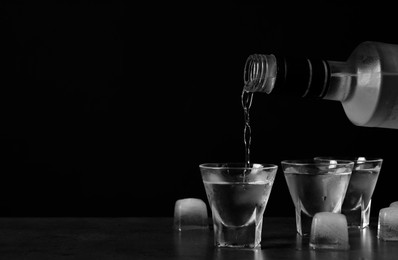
{"points": [[246, 99]]}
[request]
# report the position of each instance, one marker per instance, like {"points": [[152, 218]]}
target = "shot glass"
{"points": [[316, 186], [237, 196], [358, 199]]}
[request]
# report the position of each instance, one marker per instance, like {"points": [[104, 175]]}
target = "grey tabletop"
{"points": [[155, 238]]}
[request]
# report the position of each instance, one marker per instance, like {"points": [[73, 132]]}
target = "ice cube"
{"points": [[333, 164], [290, 170], [329, 231], [190, 213], [337, 169], [394, 204], [361, 163], [212, 177], [254, 173], [256, 168], [387, 228]]}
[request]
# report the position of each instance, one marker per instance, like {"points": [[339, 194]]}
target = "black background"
{"points": [[108, 109]]}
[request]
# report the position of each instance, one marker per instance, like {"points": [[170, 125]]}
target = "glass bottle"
{"points": [[366, 84]]}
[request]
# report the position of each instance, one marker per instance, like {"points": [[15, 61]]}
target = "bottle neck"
{"points": [[340, 82], [302, 77]]}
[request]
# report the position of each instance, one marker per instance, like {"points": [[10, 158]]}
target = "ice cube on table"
{"points": [[329, 231], [387, 227], [190, 213], [394, 204]]}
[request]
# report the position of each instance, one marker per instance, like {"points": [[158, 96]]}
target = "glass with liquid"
{"points": [[316, 187], [238, 195], [358, 199]]}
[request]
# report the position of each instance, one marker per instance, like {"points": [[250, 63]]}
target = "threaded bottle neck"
{"points": [[301, 77], [260, 73]]}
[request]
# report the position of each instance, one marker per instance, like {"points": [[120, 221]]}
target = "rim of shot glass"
{"points": [[304, 162], [238, 166], [355, 159]]}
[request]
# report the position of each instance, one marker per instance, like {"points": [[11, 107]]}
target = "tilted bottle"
{"points": [[366, 84]]}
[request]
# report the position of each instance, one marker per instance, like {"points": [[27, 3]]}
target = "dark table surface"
{"points": [[155, 238]]}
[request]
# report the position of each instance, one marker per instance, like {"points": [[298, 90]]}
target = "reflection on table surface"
{"points": [[280, 241], [155, 238]]}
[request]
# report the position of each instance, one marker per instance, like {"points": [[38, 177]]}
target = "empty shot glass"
{"points": [[316, 186], [237, 196], [358, 199]]}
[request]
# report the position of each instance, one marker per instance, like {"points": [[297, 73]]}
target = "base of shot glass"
{"points": [[359, 217], [303, 223], [247, 236]]}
